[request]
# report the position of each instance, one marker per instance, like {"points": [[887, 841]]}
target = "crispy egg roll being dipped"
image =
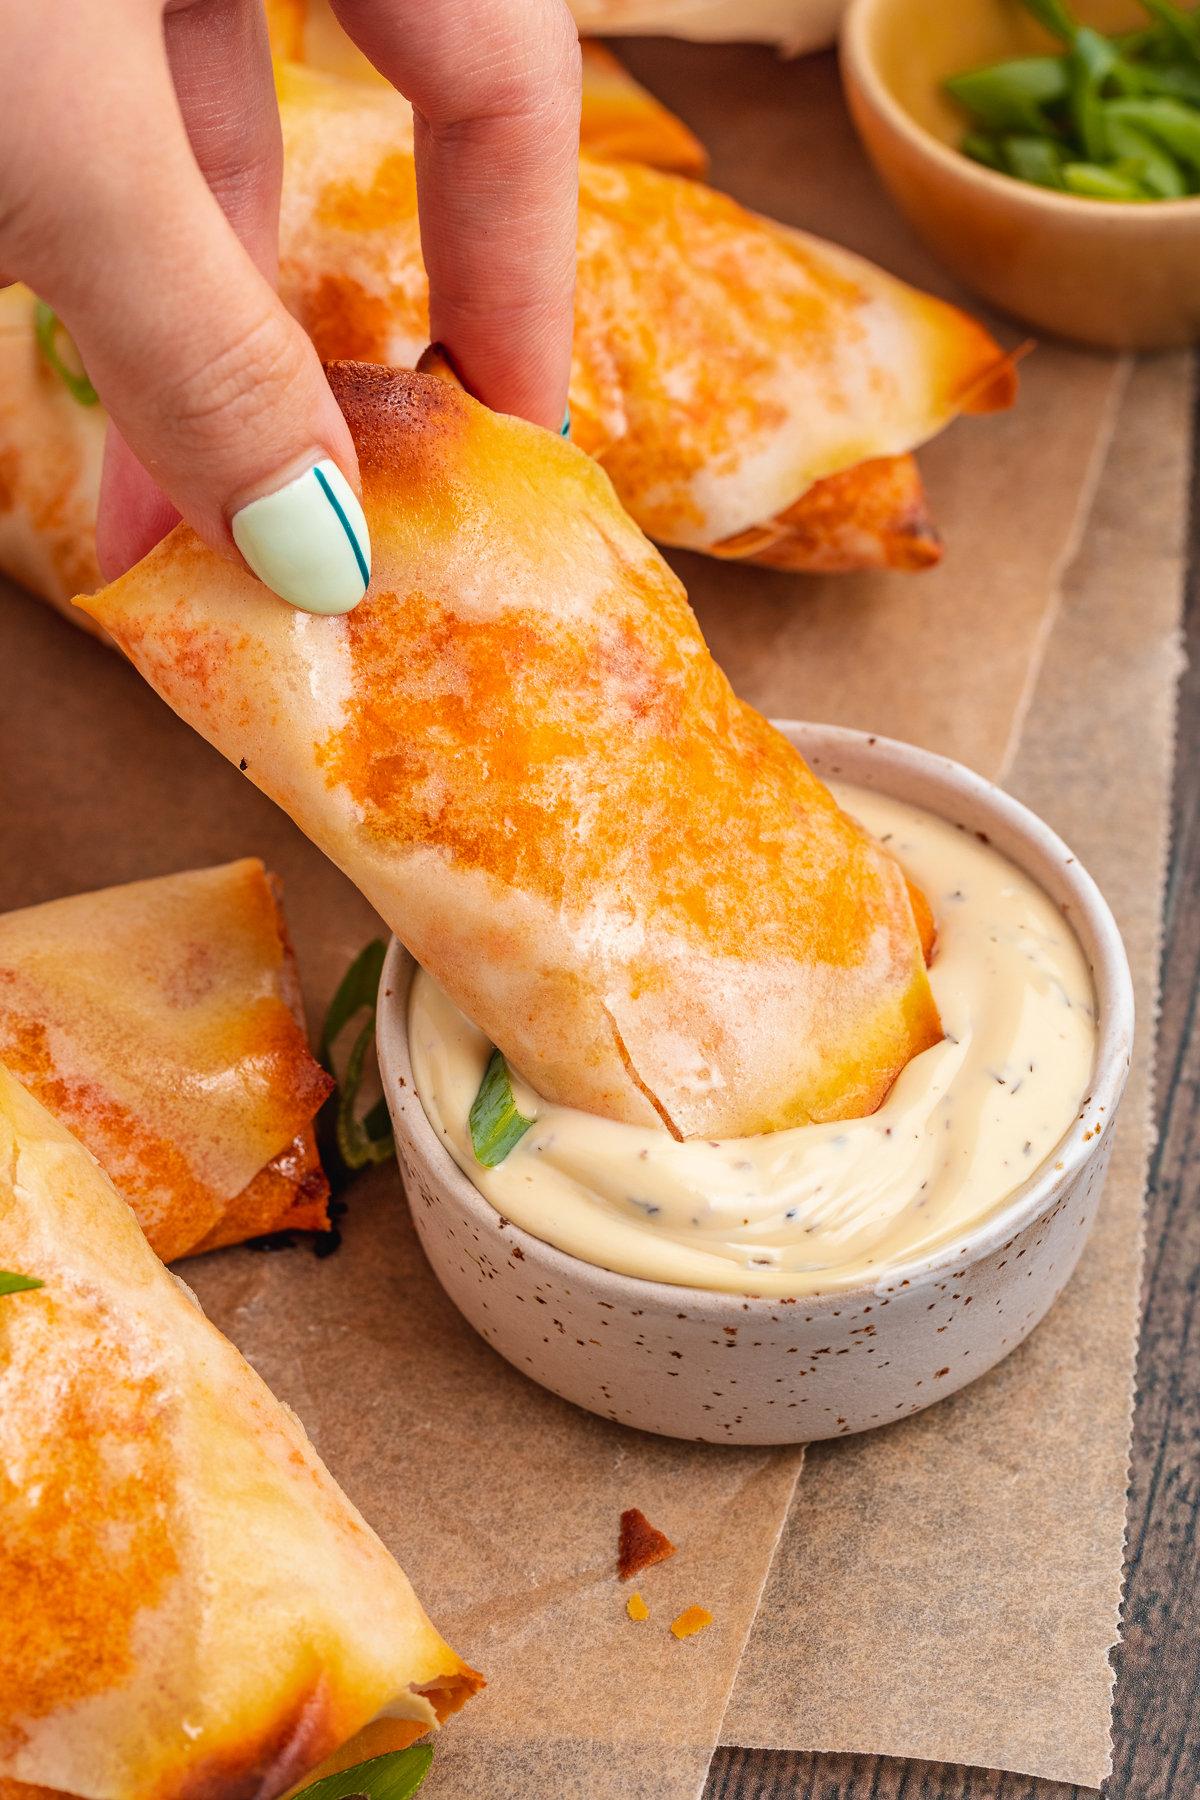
{"points": [[521, 751], [727, 369], [162, 1023], [192, 1607]]}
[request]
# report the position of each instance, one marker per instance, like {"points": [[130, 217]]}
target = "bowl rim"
{"points": [[1090, 918], [860, 69]]}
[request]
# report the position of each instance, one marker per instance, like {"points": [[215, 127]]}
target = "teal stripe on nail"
{"points": [[349, 530], [564, 429]]}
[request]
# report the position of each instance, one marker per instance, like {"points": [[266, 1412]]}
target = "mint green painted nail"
{"points": [[309, 542]]}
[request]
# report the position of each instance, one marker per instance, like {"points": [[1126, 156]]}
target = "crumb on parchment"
{"points": [[641, 1544], [693, 1620], [636, 1607]]}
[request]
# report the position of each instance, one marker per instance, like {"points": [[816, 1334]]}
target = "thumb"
{"points": [[211, 385]]}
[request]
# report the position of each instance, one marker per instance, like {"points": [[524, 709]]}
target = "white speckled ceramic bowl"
{"points": [[737, 1369]]}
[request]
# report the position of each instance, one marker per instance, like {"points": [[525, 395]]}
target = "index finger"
{"points": [[495, 86]]}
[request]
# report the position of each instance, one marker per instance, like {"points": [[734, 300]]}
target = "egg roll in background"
{"points": [[753, 392], [618, 116], [726, 368], [192, 1607], [51, 450], [520, 750], [162, 1023]]}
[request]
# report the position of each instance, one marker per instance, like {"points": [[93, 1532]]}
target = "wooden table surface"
{"points": [[1156, 1719]]}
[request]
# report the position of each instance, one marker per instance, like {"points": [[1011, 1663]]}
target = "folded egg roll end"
{"points": [[996, 389], [290, 1193], [872, 516]]}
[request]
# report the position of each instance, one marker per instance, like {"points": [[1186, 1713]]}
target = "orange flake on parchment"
{"points": [[694, 1619], [641, 1544], [637, 1608]]}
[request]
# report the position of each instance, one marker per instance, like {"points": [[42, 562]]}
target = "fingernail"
{"points": [[564, 429], [309, 541]]}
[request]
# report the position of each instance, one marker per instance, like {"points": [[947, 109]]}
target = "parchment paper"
{"points": [[501, 1501], [948, 1588]]}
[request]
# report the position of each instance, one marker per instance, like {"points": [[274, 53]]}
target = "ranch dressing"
{"points": [[816, 1208]]}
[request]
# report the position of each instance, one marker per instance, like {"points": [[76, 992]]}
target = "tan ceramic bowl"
{"points": [[736, 1368], [1121, 275]]}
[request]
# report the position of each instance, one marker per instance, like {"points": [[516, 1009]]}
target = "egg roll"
{"points": [[51, 451], [724, 364], [192, 1607], [520, 750], [162, 1023], [618, 117]]}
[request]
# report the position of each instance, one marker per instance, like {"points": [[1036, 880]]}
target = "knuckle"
{"points": [[238, 382]]}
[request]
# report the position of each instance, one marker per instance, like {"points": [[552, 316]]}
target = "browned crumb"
{"points": [[641, 1544]]}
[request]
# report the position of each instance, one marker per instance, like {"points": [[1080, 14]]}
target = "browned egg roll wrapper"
{"points": [[723, 364], [521, 751], [873, 516], [192, 1609], [619, 120], [161, 1022]]}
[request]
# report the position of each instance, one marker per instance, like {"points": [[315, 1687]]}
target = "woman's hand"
{"points": [[140, 165]]}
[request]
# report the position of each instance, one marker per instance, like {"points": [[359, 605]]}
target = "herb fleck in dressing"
{"points": [[817, 1208]]}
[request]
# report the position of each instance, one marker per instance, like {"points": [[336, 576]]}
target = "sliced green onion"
{"points": [[1116, 118], [1182, 27], [984, 149], [11, 1283], [1035, 159], [1158, 173], [47, 325], [496, 1125], [1009, 96], [359, 1141], [1169, 122], [1173, 81], [1093, 182], [1055, 17], [392, 1777], [1092, 61]]}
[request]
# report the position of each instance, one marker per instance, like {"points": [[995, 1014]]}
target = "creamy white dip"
{"points": [[818, 1208]]}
